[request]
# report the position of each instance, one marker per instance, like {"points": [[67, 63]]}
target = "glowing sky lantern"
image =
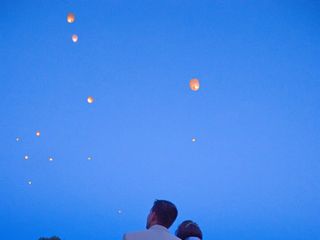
{"points": [[38, 133], [90, 100], [75, 38], [193, 139], [194, 84], [26, 157], [50, 159], [70, 18]]}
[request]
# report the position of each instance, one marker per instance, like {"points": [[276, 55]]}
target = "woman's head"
{"points": [[187, 229]]}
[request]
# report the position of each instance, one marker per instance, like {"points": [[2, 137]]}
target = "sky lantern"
{"points": [[26, 157], [50, 159], [75, 38], [70, 18], [193, 139], [90, 100], [38, 133], [194, 84]]}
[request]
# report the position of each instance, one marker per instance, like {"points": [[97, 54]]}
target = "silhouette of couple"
{"points": [[161, 217]]}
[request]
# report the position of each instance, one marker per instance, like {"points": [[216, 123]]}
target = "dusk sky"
{"points": [[253, 171]]}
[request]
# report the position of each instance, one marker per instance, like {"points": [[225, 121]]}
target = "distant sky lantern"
{"points": [[29, 182], [38, 133], [194, 84], [18, 139], [193, 139], [75, 38], [26, 157], [70, 18], [50, 159], [89, 158], [90, 100]]}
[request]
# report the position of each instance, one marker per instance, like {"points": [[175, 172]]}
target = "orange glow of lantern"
{"points": [[38, 133], [194, 84], [90, 99], [70, 18], [75, 38]]}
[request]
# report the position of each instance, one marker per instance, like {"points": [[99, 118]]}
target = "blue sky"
{"points": [[253, 172]]}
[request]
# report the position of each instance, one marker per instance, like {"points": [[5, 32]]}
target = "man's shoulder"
{"points": [[137, 233]]}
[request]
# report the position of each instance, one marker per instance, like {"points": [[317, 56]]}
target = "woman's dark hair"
{"points": [[188, 228]]}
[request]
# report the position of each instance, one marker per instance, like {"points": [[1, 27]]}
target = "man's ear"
{"points": [[153, 217]]}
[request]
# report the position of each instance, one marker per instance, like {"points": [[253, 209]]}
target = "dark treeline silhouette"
{"points": [[50, 238]]}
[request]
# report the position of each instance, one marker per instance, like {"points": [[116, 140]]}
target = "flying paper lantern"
{"points": [[70, 18], [90, 100], [38, 133], [75, 38], [194, 84]]}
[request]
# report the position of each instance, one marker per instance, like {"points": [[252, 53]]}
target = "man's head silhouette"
{"points": [[162, 213]]}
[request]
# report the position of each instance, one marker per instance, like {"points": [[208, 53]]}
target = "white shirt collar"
{"points": [[159, 227]]}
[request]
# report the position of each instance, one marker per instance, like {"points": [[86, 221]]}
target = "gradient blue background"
{"points": [[254, 172]]}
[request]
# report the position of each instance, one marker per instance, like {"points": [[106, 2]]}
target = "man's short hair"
{"points": [[187, 229], [165, 211]]}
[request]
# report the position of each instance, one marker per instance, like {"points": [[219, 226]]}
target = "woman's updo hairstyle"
{"points": [[188, 228]]}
